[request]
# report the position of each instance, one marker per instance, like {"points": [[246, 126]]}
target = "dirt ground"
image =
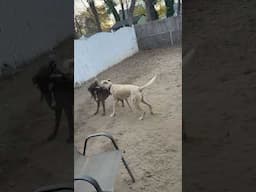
{"points": [[218, 96], [27, 160], [153, 147]]}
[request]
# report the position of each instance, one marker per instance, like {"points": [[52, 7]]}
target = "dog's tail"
{"points": [[148, 83]]}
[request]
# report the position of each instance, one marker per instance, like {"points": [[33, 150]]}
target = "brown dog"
{"points": [[57, 88], [100, 94]]}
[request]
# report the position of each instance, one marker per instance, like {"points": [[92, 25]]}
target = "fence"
{"points": [[161, 33], [101, 51], [27, 29]]}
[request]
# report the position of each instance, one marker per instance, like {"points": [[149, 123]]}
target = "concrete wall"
{"points": [[159, 34], [101, 51], [31, 27]]}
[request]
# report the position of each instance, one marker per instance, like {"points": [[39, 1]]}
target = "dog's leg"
{"points": [[70, 119], [103, 106], [114, 108], [58, 113], [137, 105], [149, 106], [122, 102], [98, 107], [128, 104]]}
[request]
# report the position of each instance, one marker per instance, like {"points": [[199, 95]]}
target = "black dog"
{"points": [[99, 94], [57, 87]]}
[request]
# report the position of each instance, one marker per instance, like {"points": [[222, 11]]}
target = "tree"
{"points": [[111, 9], [150, 10], [86, 24], [78, 29], [95, 13], [169, 7], [122, 6], [179, 7], [161, 10], [104, 18], [130, 12], [139, 10]]}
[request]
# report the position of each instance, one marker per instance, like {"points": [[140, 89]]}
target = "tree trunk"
{"points": [[122, 6], [95, 13], [112, 8], [130, 12], [150, 10], [169, 8], [179, 7], [78, 26], [127, 6]]}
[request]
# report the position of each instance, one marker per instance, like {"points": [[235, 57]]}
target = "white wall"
{"points": [[31, 27], [101, 51]]}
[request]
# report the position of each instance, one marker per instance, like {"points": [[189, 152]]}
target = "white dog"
{"points": [[124, 91]]}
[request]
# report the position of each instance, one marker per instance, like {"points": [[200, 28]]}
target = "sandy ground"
{"points": [[26, 160], [153, 147]]}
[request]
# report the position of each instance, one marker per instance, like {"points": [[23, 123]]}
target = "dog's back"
{"points": [[122, 91]]}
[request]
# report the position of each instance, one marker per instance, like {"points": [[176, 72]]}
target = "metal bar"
{"points": [[55, 188], [103, 134], [58, 189], [90, 180], [171, 38], [128, 169]]}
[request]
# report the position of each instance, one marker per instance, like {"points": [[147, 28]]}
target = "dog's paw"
{"points": [[112, 115], [142, 116]]}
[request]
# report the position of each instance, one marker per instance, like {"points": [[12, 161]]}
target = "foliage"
{"points": [[104, 18], [111, 8], [139, 10], [161, 9], [86, 21], [108, 9], [95, 14], [169, 8], [151, 12]]}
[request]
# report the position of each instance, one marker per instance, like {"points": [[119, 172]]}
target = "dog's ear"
{"points": [[96, 81]]}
